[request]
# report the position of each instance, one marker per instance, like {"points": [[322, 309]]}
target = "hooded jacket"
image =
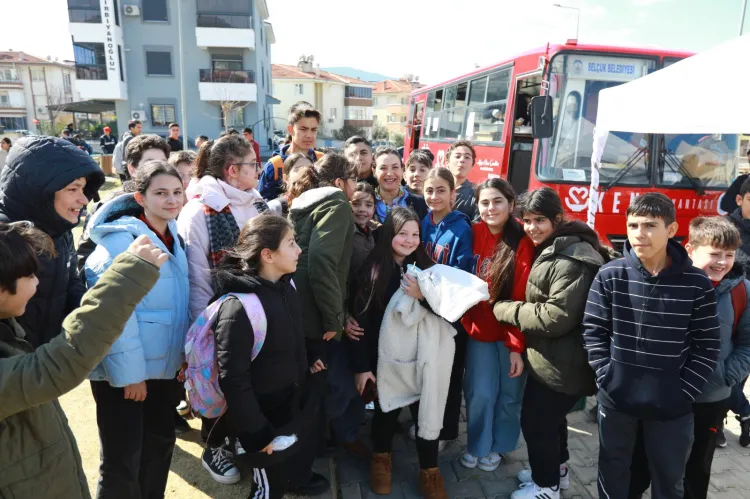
{"points": [[450, 241], [324, 224], [734, 360], [152, 344], [39, 457], [550, 318], [743, 254], [36, 168], [653, 340], [192, 225], [263, 396]]}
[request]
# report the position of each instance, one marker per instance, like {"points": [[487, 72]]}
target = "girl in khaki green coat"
{"points": [[567, 257]]}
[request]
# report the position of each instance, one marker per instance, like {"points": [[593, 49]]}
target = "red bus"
{"points": [[490, 107]]}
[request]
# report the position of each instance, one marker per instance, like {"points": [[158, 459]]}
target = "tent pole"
{"points": [[742, 17]]}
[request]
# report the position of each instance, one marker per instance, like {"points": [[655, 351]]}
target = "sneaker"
{"points": [[370, 406], [745, 430], [490, 462], [469, 461], [524, 476], [218, 462], [721, 439], [183, 409], [534, 491]]}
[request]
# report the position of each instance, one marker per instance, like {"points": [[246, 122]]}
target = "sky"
{"points": [[432, 39]]}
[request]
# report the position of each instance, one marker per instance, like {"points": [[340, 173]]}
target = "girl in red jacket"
{"points": [[494, 379]]}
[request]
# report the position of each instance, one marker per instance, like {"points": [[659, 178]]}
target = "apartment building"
{"points": [[391, 103], [202, 63], [343, 101], [28, 85]]}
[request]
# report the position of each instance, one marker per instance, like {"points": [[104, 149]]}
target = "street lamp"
{"points": [[578, 14]]}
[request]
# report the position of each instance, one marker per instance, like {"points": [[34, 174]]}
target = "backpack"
{"points": [[739, 304], [202, 373], [278, 164]]}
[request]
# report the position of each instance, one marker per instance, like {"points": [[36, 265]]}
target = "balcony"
{"points": [[227, 85], [224, 30], [12, 81]]}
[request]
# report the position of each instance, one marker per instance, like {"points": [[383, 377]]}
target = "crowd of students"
{"points": [[336, 248]]}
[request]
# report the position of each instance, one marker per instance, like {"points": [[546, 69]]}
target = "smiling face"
{"points": [[415, 175], [715, 262], [70, 200], [461, 162], [284, 260], [389, 173], [163, 199], [363, 207], [361, 155], [438, 195], [537, 227], [648, 236], [494, 209], [406, 241], [304, 133]]}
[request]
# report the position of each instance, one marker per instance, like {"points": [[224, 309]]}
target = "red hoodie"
{"points": [[479, 321]]}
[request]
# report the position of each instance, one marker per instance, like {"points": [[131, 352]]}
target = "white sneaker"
{"points": [[490, 462], [469, 461], [524, 476], [534, 491], [183, 409]]}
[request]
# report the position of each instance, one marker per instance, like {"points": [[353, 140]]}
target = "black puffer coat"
{"points": [[36, 168]]}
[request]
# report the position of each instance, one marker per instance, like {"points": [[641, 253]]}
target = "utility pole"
{"points": [[578, 14]]}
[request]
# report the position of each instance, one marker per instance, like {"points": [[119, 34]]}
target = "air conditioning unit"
{"points": [[137, 115], [131, 10], [40, 110]]}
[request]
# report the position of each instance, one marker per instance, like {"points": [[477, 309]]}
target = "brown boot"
{"points": [[431, 484], [380, 473]]}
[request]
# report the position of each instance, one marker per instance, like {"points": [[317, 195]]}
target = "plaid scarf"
{"points": [[382, 209], [223, 233]]}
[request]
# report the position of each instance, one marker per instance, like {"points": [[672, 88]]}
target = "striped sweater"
{"points": [[653, 341]]}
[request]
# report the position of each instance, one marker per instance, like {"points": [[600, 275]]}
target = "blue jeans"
{"points": [[344, 407], [738, 403], [493, 400]]}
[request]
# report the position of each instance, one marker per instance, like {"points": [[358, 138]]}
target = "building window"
{"points": [[299, 89], [4, 98], [8, 74], [154, 10], [263, 77], [17, 123], [37, 75], [235, 118], [66, 83], [158, 63], [90, 61], [226, 62], [224, 14], [358, 92], [84, 11], [117, 12], [119, 59], [162, 114]]}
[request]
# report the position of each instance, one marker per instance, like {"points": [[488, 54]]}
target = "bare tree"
{"points": [[56, 98], [227, 99]]}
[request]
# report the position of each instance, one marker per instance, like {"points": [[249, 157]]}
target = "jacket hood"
{"points": [[35, 169], [217, 194], [680, 260], [310, 199], [575, 240], [226, 281], [734, 277], [118, 214]]}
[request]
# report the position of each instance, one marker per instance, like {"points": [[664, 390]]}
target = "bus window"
{"points": [[711, 160], [454, 109], [575, 83], [432, 112], [488, 100]]}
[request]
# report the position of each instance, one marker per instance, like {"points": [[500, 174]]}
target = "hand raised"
{"points": [[143, 247]]}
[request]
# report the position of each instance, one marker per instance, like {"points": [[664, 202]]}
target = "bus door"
{"points": [[416, 124], [522, 143]]}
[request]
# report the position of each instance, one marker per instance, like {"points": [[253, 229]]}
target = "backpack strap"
{"points": [[256, 314], [739, 304], [278, 167]]}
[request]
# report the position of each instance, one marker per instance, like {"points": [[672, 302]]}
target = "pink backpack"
{"points": [[202, 373]]}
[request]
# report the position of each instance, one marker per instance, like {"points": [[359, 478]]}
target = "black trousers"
{"points": [[215, 431], [545, 429], [137, 440], [666, 445], [384, 425], [270, 482], [452, 413], [311, 432]]}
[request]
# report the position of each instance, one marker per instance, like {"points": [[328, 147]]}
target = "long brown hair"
{"points": [[267, 230], [216, 155]]}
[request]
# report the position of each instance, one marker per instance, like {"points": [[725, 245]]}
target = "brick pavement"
{"points": [[730, 477]]}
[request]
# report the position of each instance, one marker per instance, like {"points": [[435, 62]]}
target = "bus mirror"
{"points": [[541, 117]]}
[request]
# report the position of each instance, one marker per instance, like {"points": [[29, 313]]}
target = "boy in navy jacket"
{"points": [[652, 335]]}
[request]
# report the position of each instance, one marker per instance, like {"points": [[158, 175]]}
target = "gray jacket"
{"points": [[734, 359]]}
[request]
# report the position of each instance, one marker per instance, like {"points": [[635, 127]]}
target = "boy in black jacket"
{"points": [[652, 335]]}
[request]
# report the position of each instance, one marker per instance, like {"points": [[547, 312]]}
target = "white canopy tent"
{"points": [[692, 96]]}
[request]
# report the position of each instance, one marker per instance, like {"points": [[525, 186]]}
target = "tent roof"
{"points": [[689, 96], [86, 106]]}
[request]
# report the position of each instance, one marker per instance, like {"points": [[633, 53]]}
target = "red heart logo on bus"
{"points": [[577, 198]]}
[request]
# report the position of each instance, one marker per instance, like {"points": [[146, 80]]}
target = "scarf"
{"points": [[223, 233], [381, 207]]}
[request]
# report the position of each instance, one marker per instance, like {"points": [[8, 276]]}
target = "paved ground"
{"points": [[730, 480]]}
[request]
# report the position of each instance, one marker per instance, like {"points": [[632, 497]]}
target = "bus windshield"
{"points": [[575, 82]]}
